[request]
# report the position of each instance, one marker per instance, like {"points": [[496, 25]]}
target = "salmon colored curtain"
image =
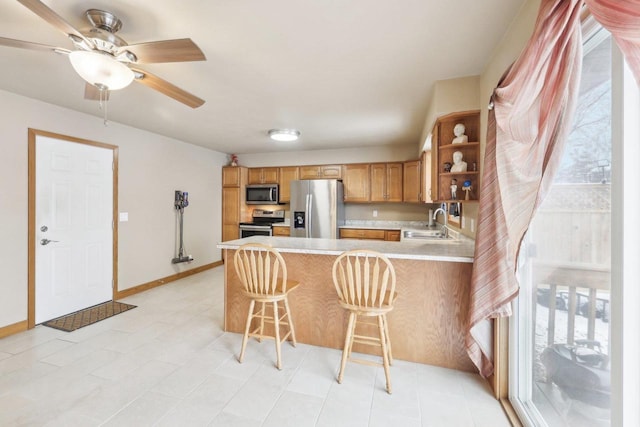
{"points": [[622, 19], [531, 116]]}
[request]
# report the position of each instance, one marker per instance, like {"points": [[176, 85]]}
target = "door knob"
{"points": [[45, 242]]}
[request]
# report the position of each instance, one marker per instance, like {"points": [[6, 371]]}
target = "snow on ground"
{"points": [[571, 412]]}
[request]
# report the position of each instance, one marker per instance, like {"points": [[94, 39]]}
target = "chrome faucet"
{"points": [[445, 230]]}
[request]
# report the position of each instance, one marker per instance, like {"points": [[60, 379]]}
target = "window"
{"points": [[560, 365], [573, 340]]}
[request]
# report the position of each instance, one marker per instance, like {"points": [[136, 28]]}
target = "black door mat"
{"points": [[88, 316]]}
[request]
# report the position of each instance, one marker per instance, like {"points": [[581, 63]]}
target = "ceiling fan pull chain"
{"points": [[104, 98], [106, 101]]}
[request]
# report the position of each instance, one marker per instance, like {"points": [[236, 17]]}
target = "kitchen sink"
{"points": [[426, 235]]}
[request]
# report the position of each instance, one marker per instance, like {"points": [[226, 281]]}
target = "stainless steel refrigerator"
{"points": [[317, 208]]}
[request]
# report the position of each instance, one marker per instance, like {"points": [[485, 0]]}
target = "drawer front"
{"points": [[392, 235], [281, 231], [358, 233]]}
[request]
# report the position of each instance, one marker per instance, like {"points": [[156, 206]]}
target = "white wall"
{"points": [[151, 167], [450, 96], [505, 53]]}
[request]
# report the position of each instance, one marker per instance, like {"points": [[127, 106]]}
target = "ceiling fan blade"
{"points": [[179, 50], [166, 88], [44, 12], [92, 93], [29, 45]]}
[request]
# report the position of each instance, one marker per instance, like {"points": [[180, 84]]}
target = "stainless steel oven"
{"points": [[248, 230], [261, 224]]}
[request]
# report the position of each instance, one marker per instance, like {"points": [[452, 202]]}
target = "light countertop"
{"points": [[460, 250]]}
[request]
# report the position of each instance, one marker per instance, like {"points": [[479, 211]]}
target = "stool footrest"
{"points": [[365, 362], [362, 339]]}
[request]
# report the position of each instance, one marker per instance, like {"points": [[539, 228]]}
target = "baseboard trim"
{"points": [[163, 281], [5, 331]]}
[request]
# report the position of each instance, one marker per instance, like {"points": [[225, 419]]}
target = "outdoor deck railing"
{"points": [[572, 287]]}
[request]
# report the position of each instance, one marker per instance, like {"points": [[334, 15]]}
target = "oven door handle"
{"points": [[255, 227]]}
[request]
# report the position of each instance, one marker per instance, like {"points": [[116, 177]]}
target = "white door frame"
{"points": [[33, 134]]}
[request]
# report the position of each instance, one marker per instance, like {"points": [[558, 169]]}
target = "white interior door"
{"points": [[73, 220]]}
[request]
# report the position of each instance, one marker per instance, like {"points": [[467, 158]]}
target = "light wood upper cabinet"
{"points": [[429, 176], [378, 182], [321, 172], [412, 181], [231, 176], [386, 182], [263, 176], [395, 172], [286, 175], [356, 182], [234, 209]]}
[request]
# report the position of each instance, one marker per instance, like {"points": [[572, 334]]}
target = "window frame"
{"points": [[520, 331], [625, 250]]}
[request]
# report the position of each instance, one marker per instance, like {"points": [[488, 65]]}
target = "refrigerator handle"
{"points": [[306, 215], [309, 207]]}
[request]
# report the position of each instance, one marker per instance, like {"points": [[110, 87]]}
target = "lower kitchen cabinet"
{"points": [[281, 231], [370, 234], [392, 235]]}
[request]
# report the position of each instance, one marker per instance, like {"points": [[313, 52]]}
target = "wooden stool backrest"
{"points": [[261, 269], [364, 278]]}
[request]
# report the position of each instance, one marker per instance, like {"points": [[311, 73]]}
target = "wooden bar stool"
{"points": [[366, 281], [263, 274]]}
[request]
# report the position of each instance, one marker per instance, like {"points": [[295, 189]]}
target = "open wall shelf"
{"points": [[443, 151]]}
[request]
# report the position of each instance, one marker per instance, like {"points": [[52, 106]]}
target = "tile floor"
{"points": [[168, 363]]}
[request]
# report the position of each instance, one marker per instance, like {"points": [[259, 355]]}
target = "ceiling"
{"points": [[344, 73]]}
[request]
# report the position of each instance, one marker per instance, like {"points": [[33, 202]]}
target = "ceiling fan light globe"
{"points": [[101, 70]]}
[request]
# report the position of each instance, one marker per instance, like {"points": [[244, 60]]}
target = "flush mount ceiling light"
{"points": [[284, 135], [101, 70]]}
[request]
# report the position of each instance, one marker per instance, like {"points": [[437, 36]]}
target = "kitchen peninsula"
{"points": [[428, 322]]}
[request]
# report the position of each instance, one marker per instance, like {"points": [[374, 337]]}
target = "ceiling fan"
{"points": [[105, 61]]}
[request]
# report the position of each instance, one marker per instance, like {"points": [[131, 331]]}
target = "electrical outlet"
{"points": [[473, 225], [375, 213]]}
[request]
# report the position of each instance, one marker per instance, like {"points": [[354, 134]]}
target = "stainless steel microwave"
{"points": [[262, 194]]}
